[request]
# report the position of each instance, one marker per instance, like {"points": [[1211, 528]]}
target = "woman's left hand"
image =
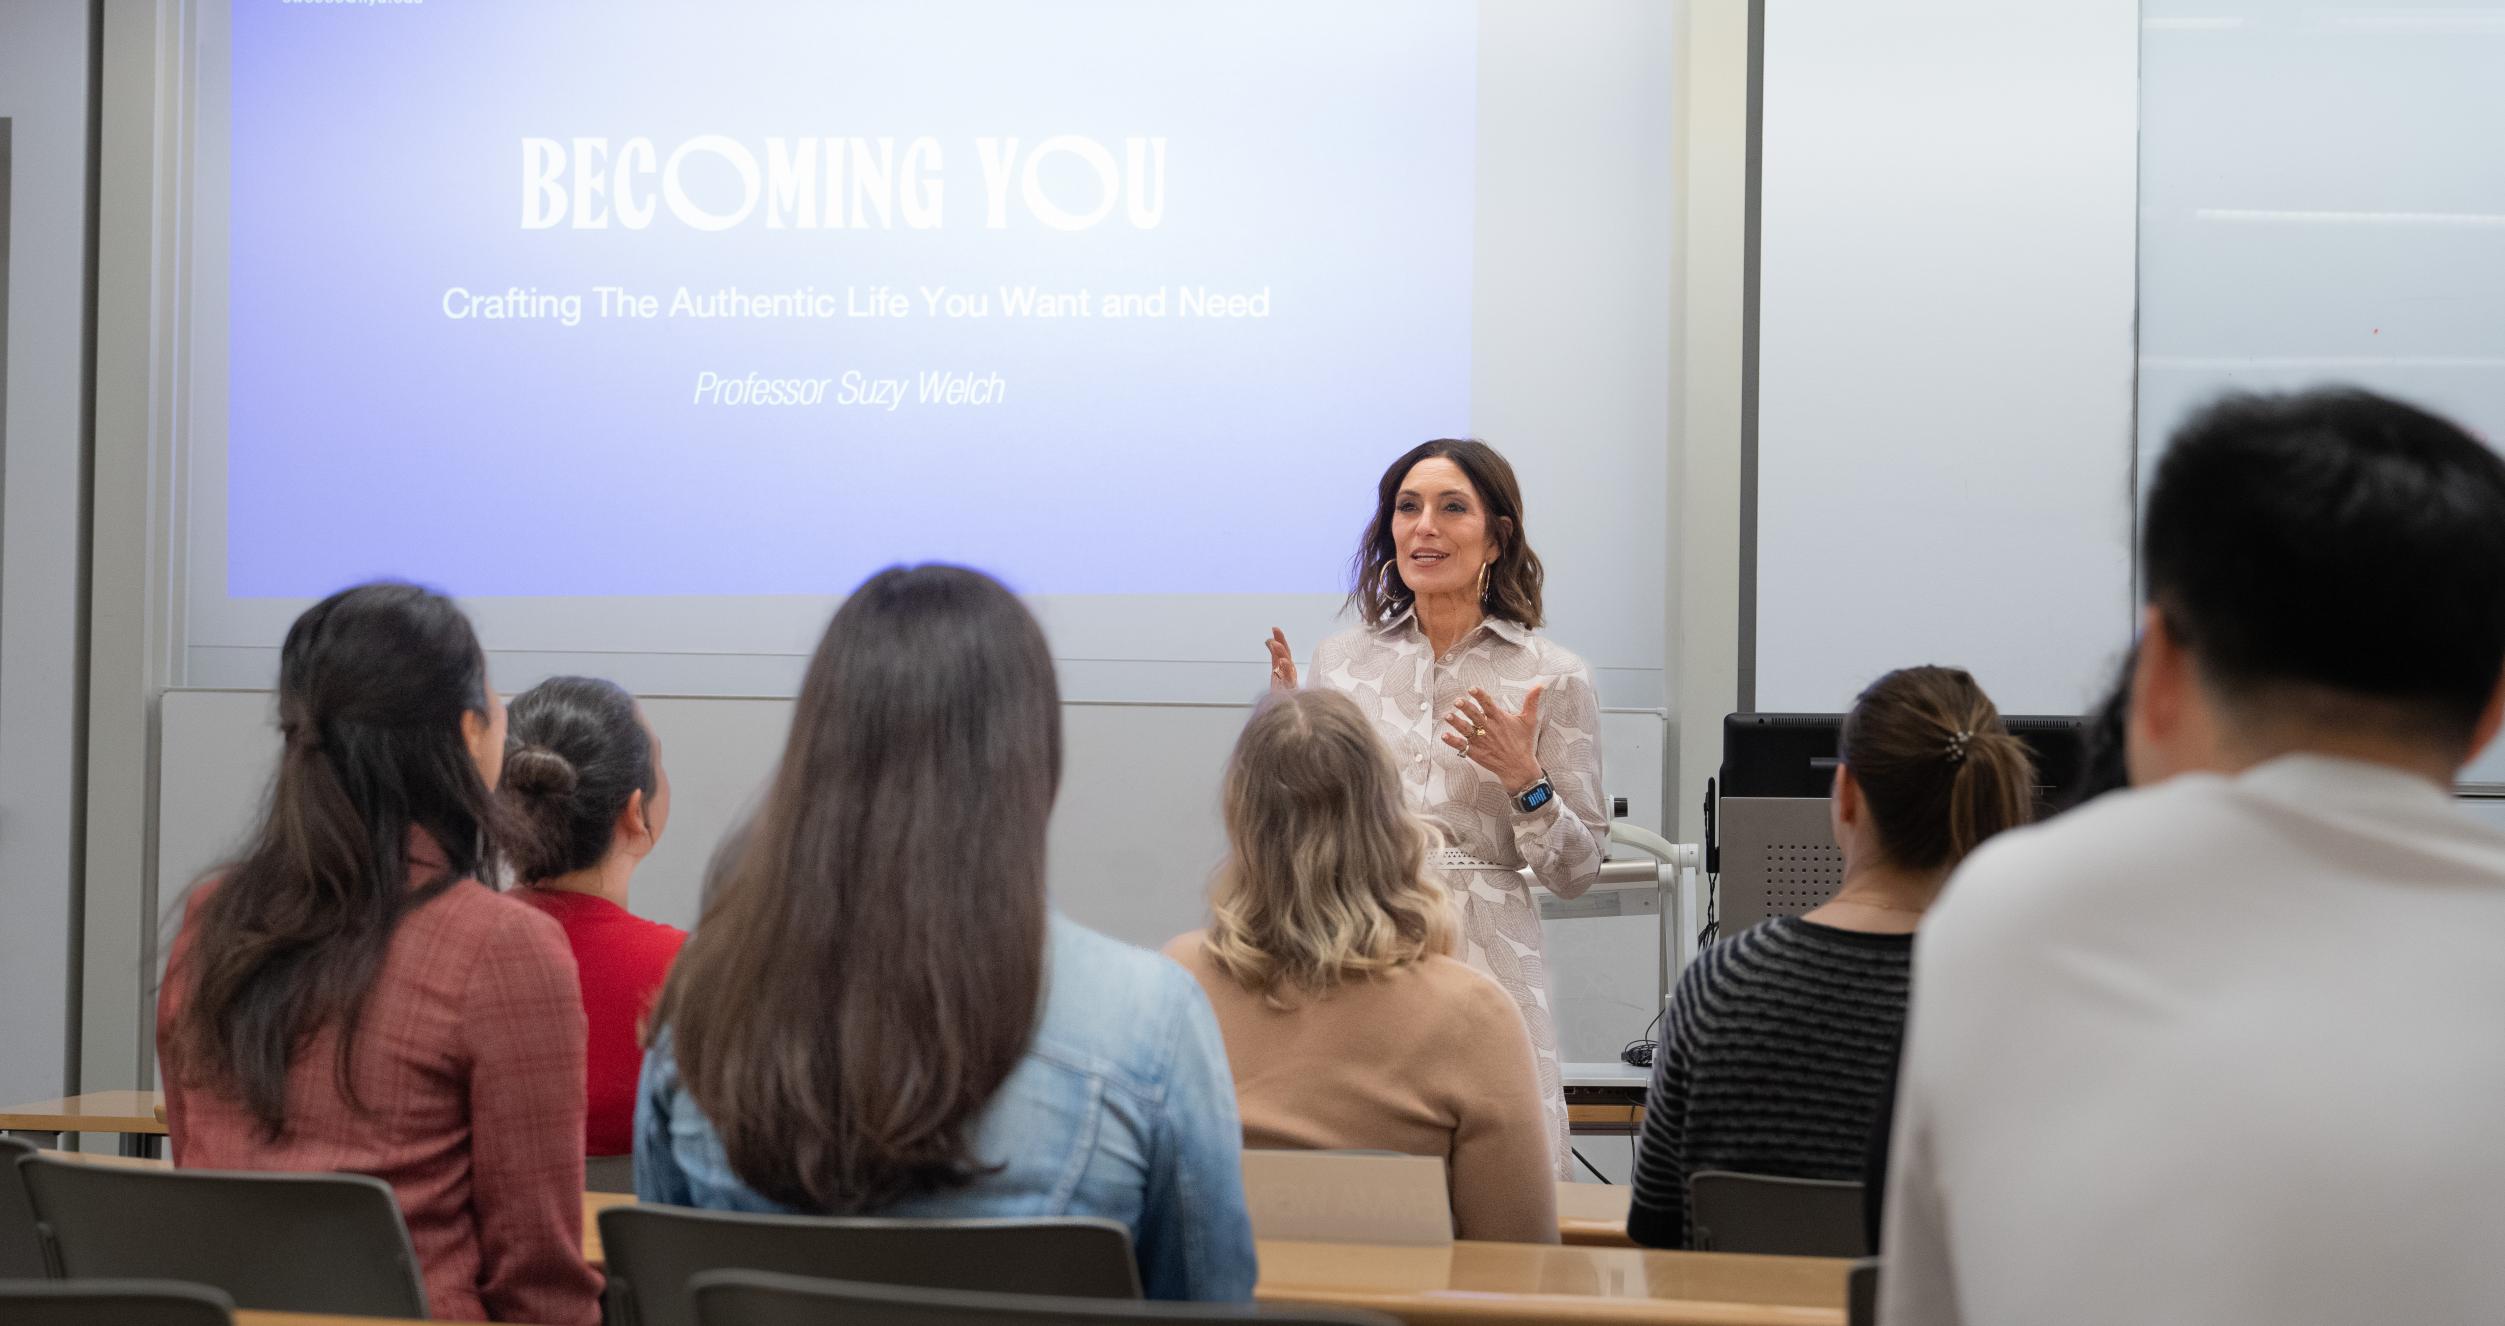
{"points": [[1504, 744]]}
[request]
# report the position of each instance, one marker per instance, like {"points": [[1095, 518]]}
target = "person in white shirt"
{"points": [[2230, 1047]]}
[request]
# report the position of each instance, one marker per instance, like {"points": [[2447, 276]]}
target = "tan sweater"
{"points": [[1431, 1060]]}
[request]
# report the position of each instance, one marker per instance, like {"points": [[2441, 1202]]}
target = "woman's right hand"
{"points": [[1282, 661]]}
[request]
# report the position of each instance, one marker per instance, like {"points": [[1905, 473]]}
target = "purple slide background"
{"points": [[1323, 150]]}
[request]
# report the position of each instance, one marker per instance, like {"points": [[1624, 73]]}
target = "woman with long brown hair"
{"points": [[878, 1012], [1347, 1023], [1494, 726], [1782, 1039], [347, 995]]}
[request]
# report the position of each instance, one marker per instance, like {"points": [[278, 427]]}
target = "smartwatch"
{"points": [[1535, 796]]}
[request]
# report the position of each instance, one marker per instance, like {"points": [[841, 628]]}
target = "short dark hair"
{"points": [[1513, 579], [2338, 549], [575, 753]]}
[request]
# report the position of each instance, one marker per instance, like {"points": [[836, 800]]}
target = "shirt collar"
{"points": [[2317, 779], [1503, 628]]}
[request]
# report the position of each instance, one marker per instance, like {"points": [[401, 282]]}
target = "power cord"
{"points": [[1638, 1053], [1713, 912]]}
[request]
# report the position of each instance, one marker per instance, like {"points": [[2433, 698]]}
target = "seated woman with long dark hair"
{"points": [[348, 996], [878, 1013]]}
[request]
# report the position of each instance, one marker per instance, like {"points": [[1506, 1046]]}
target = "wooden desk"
{"points": [[138, 1116], [1604, 1120], [118, 1162], [1493, 1284], [1594, 1215]]}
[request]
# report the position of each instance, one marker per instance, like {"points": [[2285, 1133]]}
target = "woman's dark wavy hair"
{"points": [[372, 684], [576, 752], [1513, 579], [871, 961]]}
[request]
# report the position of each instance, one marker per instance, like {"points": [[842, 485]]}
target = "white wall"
{"points": [[2355, 145], [44, 47], [1945, 307]]}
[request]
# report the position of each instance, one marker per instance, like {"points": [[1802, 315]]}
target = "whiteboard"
{"points": [[1944, 373], [2322, 200]]}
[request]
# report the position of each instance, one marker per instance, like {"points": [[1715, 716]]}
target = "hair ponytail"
{"points": [[1939, 769], [1994, 789]]}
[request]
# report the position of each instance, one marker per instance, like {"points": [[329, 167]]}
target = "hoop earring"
{"points": [[1383, 585], [1483, 569]]}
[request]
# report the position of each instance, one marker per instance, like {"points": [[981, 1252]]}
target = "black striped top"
{"points": [[1778, 1048]]}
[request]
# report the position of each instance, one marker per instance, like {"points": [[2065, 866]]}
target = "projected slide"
{"points": [[642, 297]]}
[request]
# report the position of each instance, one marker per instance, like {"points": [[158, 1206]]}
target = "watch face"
{"points": [[1537, 797]]}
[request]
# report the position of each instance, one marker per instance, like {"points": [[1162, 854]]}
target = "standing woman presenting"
{"points": [[1496, 730]]}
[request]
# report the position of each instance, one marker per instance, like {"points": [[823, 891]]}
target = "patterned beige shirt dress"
{"points": [[1487, 845]]}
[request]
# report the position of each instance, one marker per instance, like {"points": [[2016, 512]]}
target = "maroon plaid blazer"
{"points": [[469, 1067]]}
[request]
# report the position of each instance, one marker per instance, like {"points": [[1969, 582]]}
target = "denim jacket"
{"points": [[1123, 1108]]}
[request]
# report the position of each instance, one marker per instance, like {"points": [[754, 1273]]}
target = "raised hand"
{"points": [[1282, 661], [1505, 744]]}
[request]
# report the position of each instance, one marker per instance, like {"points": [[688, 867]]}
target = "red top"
{"points": [[469, 1065], [623, 959]]}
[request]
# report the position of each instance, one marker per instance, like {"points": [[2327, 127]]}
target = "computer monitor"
{"points": [[1771, 838]]}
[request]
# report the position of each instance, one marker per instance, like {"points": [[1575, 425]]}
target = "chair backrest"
{"points": [[1348, 1197], [276, 1242], [21, 1249], [754, 1298], [609, 1174], [1861, 1293], [1770, 1214], [113, 1303], [653, 1252]]}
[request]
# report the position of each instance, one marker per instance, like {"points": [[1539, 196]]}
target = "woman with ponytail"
{"points": [[582, 773], [1782, 1039], [347, 996]]}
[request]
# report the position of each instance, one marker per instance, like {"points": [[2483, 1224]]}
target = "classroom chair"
{"points": [[758, 1298], [330, 1243], [21, 1252], [653, 1252], [609, 1174], [113, 1303], [1861, 1293], [1764, 1213], [1385, 1197]]}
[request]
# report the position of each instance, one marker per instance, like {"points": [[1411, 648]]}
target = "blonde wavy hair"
{"points": [[1325, 878]]}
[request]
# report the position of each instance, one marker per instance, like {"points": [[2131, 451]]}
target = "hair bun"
{"points": [[539, 771]]}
